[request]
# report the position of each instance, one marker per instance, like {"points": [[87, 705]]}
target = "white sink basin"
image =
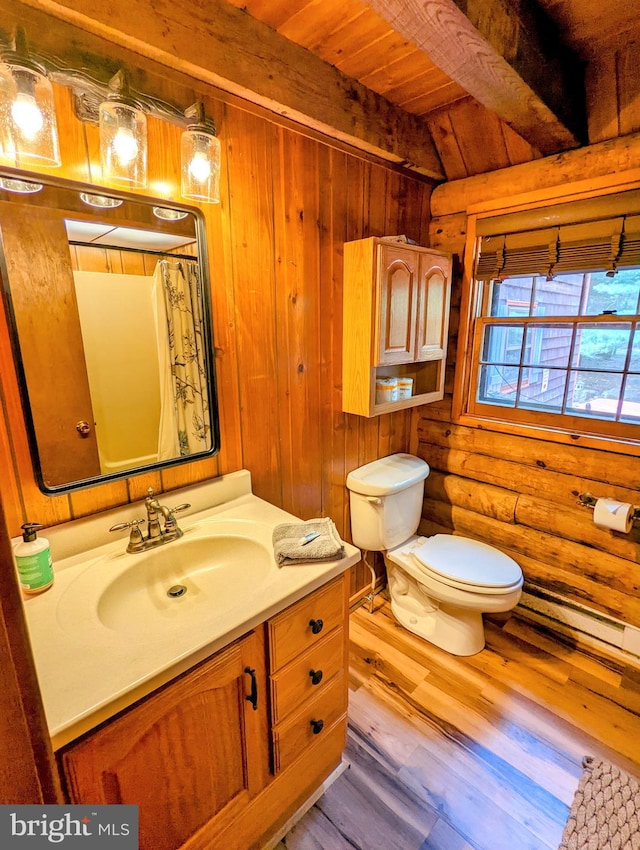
{"points": [[181, 584], [182, 580]]}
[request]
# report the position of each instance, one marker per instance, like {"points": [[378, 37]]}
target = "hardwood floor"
{"points": [[479, 753]]}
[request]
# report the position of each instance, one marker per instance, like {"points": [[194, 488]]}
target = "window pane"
{"points": [[544, 390], [634, 364], [601, 346], [511, 297], [549, 345], [594, 394], [619, 293], [502, 343], [631, 402], [559, 297], [498, 385]]}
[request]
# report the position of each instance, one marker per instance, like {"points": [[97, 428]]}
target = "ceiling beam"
{"points": [[221, 45], [507, 55]]}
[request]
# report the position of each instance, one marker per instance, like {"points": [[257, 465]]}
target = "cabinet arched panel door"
{"points": [[434, 293], [191, 755], [398, 299]]}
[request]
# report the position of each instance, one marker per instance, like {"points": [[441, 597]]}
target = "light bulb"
{"points": [[200, 167], [125, 146], [200, 158], [27, 115]]}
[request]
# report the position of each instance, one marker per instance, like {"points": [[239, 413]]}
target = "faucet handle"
{"points": [[120, 526], [135, 535], [170, 523]]}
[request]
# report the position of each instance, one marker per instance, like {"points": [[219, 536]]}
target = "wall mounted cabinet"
{"points": [[395, 322]]}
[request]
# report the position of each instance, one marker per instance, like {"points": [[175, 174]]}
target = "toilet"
{"points": [[439, 586]]}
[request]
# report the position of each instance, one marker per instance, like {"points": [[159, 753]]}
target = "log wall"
{"points": [[521, 493], [289, 201]]}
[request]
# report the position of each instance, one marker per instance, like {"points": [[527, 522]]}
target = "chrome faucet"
{"points": [[157, 534]]}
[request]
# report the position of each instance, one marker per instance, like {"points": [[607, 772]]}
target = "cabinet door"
{"points": [[397, 299], [190, 755], [433, 307]]}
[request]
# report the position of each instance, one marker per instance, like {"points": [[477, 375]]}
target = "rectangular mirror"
{"points": [[107, 299]]}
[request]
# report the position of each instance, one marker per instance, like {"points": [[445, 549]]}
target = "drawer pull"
{"points": [[316, 626], [253, 696], [317, 726], [316, 676]]}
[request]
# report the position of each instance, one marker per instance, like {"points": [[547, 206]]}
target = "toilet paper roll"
{"points": [[617, 516]]}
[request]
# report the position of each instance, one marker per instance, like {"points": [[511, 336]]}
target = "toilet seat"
{"points": [[461, 563]]}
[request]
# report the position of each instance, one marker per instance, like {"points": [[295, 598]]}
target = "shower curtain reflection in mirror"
{"points": [[184, 397]]}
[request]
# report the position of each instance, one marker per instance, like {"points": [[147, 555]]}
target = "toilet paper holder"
{"points": [[586, 500]]}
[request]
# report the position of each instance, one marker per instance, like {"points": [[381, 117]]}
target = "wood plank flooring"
{"points": [[479, 753]]}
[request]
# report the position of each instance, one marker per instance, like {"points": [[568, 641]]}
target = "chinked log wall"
{"points": [[518, 493]]}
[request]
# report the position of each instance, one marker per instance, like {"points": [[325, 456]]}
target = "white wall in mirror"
{"points": [[119, 332]]}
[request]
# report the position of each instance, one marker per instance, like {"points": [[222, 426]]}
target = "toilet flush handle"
{"points": [[374, 500]]}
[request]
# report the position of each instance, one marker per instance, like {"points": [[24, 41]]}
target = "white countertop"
{"points": [[89, 671]]}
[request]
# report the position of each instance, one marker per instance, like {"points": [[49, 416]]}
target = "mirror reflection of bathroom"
{"points": [[119, 281]]}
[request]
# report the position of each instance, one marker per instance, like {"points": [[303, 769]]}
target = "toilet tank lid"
{"points": [[387, 475]]}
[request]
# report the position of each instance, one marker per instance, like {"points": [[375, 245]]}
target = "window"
{"points": [[554, 327]]}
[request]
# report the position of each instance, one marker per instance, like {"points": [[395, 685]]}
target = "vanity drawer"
{"points": [[307, 675], [315, 719], [306, 623]]}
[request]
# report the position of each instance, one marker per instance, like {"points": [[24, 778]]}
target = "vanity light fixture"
{"points": [[168, 214], [28, 132], [123, 136], [200, 157], [21, 187], [101, 201]]}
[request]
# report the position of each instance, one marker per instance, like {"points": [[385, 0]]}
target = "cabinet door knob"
{"points": [[253, 696], [316, 676], [317, 726], [316, 626]]}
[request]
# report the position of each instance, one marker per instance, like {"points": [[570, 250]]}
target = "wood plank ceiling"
{"points": [[497, 82]]}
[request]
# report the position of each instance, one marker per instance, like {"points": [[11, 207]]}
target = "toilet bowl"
{"points": [[439, 586]]}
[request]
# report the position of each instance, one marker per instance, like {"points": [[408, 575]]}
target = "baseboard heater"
{"points": [[581, 622]]}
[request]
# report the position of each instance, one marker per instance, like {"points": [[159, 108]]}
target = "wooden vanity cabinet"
{"points": [[396, 321], [191, 754], [308, 664], [204, 767]]}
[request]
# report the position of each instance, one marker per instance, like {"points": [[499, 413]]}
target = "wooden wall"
{"points": [[289, 201], [472, 140], [613, 91], [518, 493]]}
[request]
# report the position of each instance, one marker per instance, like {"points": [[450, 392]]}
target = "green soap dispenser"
{"points": [[33, 560]]}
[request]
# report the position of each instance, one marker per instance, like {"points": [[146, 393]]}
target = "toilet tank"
{"points": [[386, 501]]}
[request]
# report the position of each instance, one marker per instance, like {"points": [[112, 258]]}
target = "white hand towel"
{"points": [[289, 548]]}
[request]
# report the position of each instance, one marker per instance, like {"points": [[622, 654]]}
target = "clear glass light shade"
{"points": [[28, 132], [123, 143], [200, 166], [21, 187]]}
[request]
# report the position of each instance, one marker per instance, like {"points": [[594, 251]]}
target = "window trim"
{"points": [[463, 411]]}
